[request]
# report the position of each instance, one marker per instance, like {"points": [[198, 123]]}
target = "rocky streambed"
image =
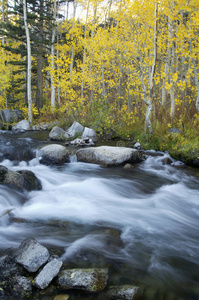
{"points": [[109, 223]]}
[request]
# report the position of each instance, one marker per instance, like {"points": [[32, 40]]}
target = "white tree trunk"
{"points": [[150, 98], [29, 64], [52, 56], [3, 42]]}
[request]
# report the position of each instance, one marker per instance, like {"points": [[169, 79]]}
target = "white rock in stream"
{"points": [[125, 292], [76, 128], [47, 274], [31, 255], [22, 125], [110, 156], [90, 280]]}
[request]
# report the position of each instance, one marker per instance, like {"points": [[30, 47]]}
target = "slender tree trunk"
{"points": [[29, 64], [150, 97], [73, 47], [52, 56], [3, 43], [84, 55], [195, 75], [39, 92]]}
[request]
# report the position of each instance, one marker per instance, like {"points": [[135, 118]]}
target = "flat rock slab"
{"points": [[110, 156], [49, 271], [53, 154], [31, 255], [125, 292], [89, 280]]}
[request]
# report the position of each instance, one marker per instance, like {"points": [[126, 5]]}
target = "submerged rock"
{"points": [[53, 154], [110, 156], [23, 179], [31, 255], [22, 286], [125, 292], [58, 134], [22, 125], [89, 280], [47, 274]]}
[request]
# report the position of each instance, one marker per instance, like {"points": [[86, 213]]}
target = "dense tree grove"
{"points": [[127, 63]]}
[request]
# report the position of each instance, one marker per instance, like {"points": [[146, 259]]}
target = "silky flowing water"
{"points": [[142, 223]]}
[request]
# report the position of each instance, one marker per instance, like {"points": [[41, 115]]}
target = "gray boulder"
{"points": [[110, 156], [125, 292], [22, 125], [10, 116], [76, 128], [47, 274], [89, 280], [31, 255], [175, 130], [89, 133], [58, 134], [21, 180], [53, 155]]}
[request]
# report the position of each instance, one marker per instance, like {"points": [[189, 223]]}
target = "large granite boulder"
{"points": [[109, 156], [31, 255], [76, 128], [53, 155], [47, 274], [89, 280], [22, 126], [10, 116], [58, 134], [89, 133], [21, 180]]}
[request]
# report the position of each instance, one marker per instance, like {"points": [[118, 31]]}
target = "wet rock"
{"points": [[89, 133], [128, 167], [154, 153], [24, 179], [22, 125], [31, 255], [22, 286], [10, 116], [76, 128], [167, 160], [82, 142], [89, 280], [53, 154], [58, 134], [61, 297], [110, 156], [47, 274], [137, 146], [125, 292]]}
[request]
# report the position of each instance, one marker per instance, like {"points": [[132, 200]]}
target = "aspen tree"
{"points": [[52, 55], [29, 92]]}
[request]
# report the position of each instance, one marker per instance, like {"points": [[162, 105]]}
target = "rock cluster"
{"points": [[32, 268]]}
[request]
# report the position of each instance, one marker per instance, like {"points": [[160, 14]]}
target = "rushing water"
{"points": [[141, 223]]}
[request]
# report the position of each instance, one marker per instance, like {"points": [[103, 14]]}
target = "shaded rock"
{"points": [[47, 274], [20, 180], [110, 156], [76, 128], [53, 154], [154, 153], [31, 255], [22, 286], [167, 160], [58, 134], [22, 125], [125, 292], [195, 162], [89, 133], [128, 166], [82, 142], [137, 145], [10, 116], [89, 280], [174, 130], [61, 297]]}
